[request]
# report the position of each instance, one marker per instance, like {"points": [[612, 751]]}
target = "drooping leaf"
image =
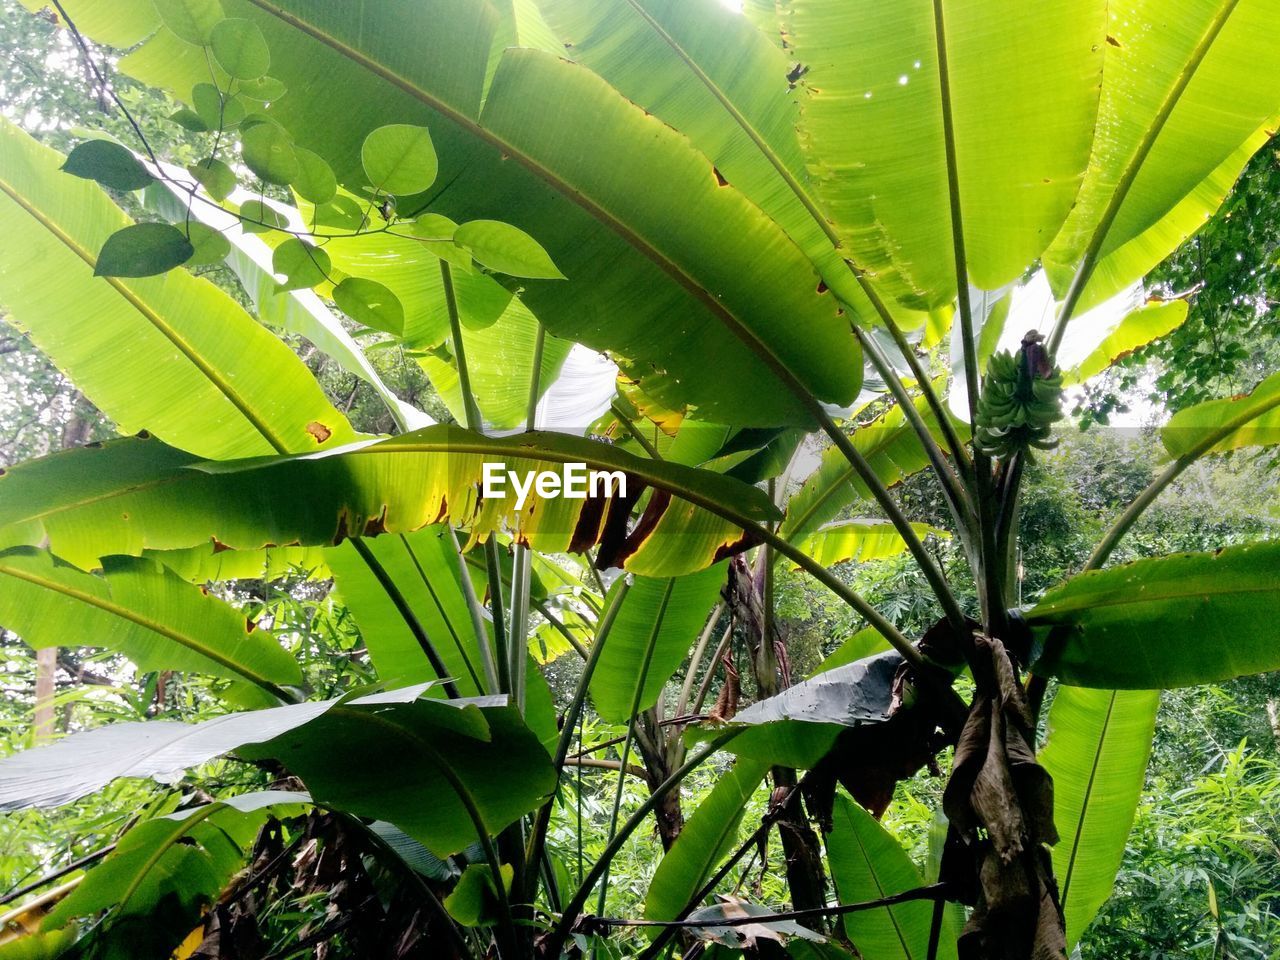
{"points": [[240, 49], [797, 727], [370, 303], [192, 346], [109, 164], [134, 494], [303, 264], [192, 20], [216, 109], [143, 250], [1257, 413], [473, 902], [658, 623], [315, 180], [1171, 621], [266, 151], [860, 541], [745, 935], [1096, 752], [258, 217], [399, 158], [867, 863], [1137, 329], [207, 244], [383, 756], [707, 837], [1160, 110], [506, 249], [140, 609], [891, 448]]}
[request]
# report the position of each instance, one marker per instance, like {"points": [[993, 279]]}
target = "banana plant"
{"points": [[780, 225]]}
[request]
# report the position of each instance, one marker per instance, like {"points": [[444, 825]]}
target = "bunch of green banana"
{"points": [[1021, 399]]}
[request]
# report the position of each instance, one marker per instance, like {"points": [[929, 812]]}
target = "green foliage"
{"points": [[460, 197]]}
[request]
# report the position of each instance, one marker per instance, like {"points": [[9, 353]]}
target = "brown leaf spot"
{"points": [[587, 529], [720, 180], [744, 542], [653, 512], [822, 286], [249, 625], [218, 545], [1112, 40], [319, 431], [376, 525], [614, 534]]}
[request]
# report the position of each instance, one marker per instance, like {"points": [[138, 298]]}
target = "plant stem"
{"points": [[631, 726], [537, 840], [398, 600], [556, 939]]}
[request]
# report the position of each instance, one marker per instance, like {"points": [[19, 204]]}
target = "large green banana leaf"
{"points": [[187, 342], [707, 72], [1164, 124], [1020, 82], [1134, 259], [867, 863], [137, 494], [416, 761], [697, 274], [1096, 752], [1257, 413], [1172, 621], [891, 448], [659, 621], [164, 872], [1138, 328], [705, 840], [152, 616]]}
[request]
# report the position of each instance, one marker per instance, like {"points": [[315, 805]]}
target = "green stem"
{"points": [[903, 526], [537, 840], [398, 600], [633, 715], [471, 410], [476, 609], [556, 939]]}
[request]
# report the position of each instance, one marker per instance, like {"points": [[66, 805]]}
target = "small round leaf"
{"points": [[506, 249], [268, 153], [143, 250], [240, 49], [257, 217], [216, 111], [399, 159], [342, 212], [188, 119], [302, 264], [370, 303], [315, 180], [109, 164], [209, 245], [215, 176], [192, 20], [264, 89]]}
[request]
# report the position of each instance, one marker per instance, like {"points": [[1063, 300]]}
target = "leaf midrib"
{"points": [[147, 623], [172, 335], [1088, 603], [728, 319]]}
